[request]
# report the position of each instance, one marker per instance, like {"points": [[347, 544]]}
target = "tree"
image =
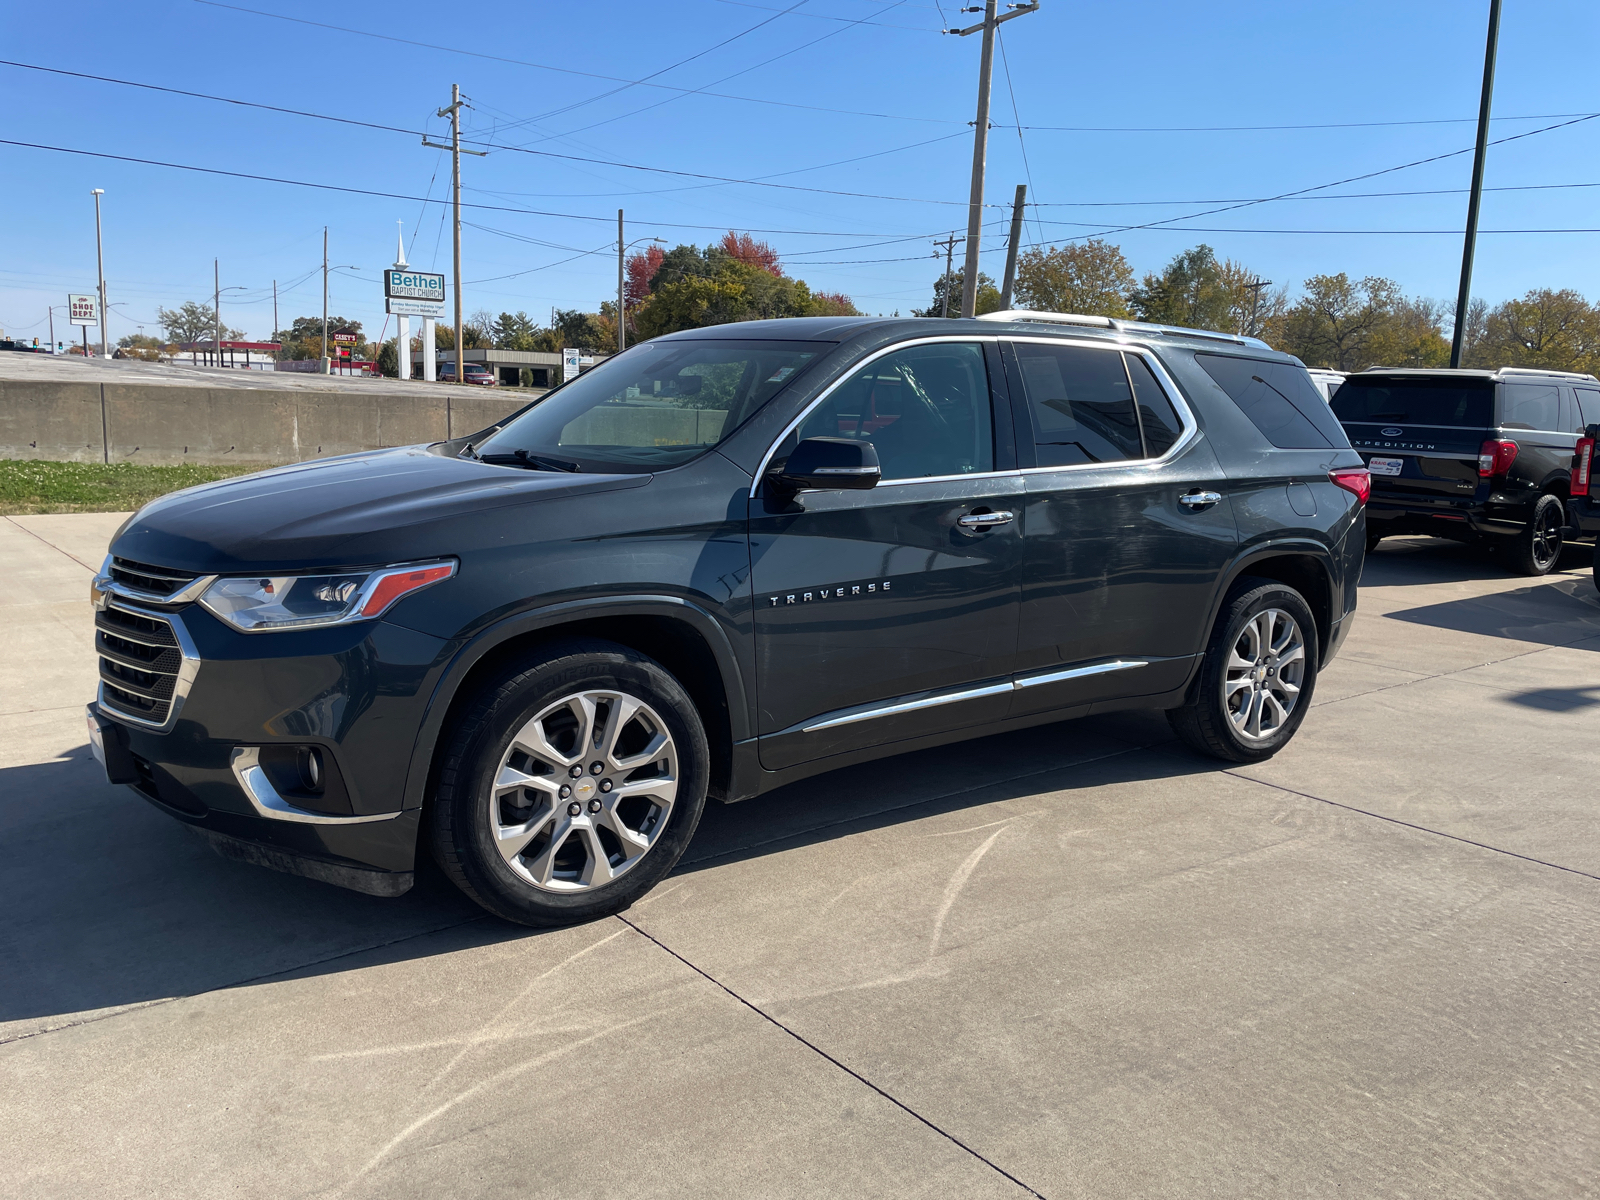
{"points": [[1192, 291], [1553, 330], [515, 331], [741, 247], [988, 295], [1344, 325], [584, 331], [1251, 308], [473, 335], [194, 322], [1089, 277], [641, 268], [303, 338], [832, 304]]}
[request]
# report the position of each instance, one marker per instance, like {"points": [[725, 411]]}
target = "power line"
{"points": [[1523, 187], [355, 191], [518, 62], [760, 181], [1027, 169], [1276, 128]]}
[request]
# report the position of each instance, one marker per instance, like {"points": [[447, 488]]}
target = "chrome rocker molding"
{"points": [[180, 686], [264, 798], [851, 716]]}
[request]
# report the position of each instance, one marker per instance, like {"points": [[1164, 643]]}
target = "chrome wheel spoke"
{"points": [[561, 851], [1265, 673]]}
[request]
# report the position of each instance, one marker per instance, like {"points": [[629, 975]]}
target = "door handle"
{"points": [[987, 520], [1199, 500]]}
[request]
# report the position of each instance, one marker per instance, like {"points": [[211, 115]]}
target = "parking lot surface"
{"points": [[1071, 961]]}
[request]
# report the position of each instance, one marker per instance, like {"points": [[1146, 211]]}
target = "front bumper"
{"points": [[356, 694]]}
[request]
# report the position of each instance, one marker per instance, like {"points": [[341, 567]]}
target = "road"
{"points": [[1075, 961]]}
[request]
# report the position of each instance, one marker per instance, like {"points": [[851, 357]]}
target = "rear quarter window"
{"points": [[1280, 400], [1417, 400]]}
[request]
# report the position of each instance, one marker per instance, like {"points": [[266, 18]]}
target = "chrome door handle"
{"points": [[1198, 500], [985, 520]]}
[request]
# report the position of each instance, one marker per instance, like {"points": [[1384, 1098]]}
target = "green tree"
{"points": [[988, 295], [832, 304], [1090, 277], [1549, 329], [1191, 291], [1336, 322], [303, 338], [194, 322], [515, 331]]}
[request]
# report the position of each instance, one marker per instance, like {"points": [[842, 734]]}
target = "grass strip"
{"points": [[36, 486]]}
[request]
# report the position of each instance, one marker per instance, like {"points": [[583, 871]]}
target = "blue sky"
{"points": [[789, 101]]}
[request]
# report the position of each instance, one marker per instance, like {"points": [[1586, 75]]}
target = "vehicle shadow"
{"points": [[109, 903], [1564, 613], [1561, 700], [1407, 561]]}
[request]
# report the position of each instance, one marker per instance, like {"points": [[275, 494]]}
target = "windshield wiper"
{"points": [[521, 458]]}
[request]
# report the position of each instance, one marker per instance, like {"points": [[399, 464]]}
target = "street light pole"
{"points": [[1011, 250], [216, 305], [1463, 297], [100, 261], [980, 142], [454, 113], [326, 365], [622, 328]]}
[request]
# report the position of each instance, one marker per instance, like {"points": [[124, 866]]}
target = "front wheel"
{"points": [[1537, 549], [570, 787], [1259, 672]]}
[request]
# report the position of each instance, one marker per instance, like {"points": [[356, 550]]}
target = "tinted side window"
{"points": [[1280, 400], [1530, 406], [925, 408], [1080, 404], [1157, 417], [1589, 406]]}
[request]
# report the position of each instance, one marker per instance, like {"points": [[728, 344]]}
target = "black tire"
{"points": [[1597, 567], [1206, 723], [465, 810], [1537, 549]]}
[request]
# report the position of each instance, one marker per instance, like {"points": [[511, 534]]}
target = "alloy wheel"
{"points": [[1266, 666], [584, 790], [1546, 536]]}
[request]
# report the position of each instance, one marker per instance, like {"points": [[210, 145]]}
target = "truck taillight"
{"points": [[1355, 480], [1496, 456], [1582, 460]]}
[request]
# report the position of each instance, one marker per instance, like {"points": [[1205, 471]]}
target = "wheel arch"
{"points": [[1306, 566], [685, 639]]}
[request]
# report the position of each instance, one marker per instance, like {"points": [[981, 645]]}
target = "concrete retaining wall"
{"points": [[119, 422]]}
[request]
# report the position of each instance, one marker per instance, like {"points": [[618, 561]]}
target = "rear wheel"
{"points": [[1259, 673], [1537, 549], [570, 788]]}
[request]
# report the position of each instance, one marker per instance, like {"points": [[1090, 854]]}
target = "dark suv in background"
{"points": [[723, 561], [1478, 456]]}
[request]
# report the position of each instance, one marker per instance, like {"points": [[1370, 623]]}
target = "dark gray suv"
{"points": [[723, 561]]}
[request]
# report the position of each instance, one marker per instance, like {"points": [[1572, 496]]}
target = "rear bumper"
{"points": [[1389, 516]]}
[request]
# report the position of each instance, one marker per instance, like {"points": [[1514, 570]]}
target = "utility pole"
{"points": [[1463, 297], [100, 261], [1255, 286], [949, 245], [622, 328], [454, 113], [326, 364], [1011, 250], [980, 140], [216, 305], [274, 310]]}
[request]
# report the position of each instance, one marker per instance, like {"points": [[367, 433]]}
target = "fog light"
{"points": [[311, 774]]}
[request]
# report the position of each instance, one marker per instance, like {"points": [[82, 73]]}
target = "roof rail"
{"points": [[1051, 318], [1543, 371]]}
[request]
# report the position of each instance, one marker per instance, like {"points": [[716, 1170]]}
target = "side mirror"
{"points": [[832, 464]]}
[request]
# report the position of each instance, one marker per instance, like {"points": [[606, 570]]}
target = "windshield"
{"points": [[655, 406], [1421, 401]]}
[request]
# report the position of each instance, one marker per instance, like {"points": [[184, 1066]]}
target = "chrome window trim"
{"points": [[187, 670], [766, 459], [1180, 404], [267, 802], [918, 701]]}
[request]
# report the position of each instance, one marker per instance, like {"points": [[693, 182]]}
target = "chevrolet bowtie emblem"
{"points": [[835, 593]]}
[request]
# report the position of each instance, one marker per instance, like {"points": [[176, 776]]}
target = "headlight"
{"points": [[260, 603]]}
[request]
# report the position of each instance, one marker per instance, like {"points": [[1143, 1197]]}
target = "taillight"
{"points": [[1355, 480], [1495, 457], [1582, 460]]}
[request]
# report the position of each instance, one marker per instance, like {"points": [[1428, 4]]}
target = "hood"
{"points": [[357, 510]]}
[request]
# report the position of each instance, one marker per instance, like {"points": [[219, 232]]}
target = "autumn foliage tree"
{"points": [[741, 247]]}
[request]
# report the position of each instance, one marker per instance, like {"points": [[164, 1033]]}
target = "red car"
{"points": [[477, 373]]}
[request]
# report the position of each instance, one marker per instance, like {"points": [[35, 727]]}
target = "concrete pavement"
{"points": [[1072, 961]]}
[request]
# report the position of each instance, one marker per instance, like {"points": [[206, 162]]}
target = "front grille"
{"points": [[157, 581], [139, 663]]}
